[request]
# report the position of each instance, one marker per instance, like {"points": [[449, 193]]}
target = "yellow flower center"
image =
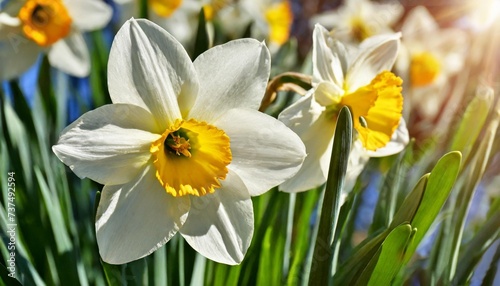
{"points": [[359, 29], [279, 17], [376, 109], [45, 21], [191, 158], [165, 8], [424, 69]]}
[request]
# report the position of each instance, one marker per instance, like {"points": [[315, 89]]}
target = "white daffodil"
{"points": [[357, 20], [29, 27], [270, 20], [182, 148], [361, 80], [178, 17], [430, 56]]}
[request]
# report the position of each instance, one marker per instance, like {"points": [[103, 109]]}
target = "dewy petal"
{"points": [[265, 152], [329, 58], [315, 127], [220, 225], [109, 144], [376, 54], [398, 142], [71, 55], [17, 54], [147, 67], [89, 15], [135, 219], [232, 75]]}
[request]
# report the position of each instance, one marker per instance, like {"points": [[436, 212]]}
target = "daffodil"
{"points": [[178, 17], [29, 27], [430, 56], [182, 148], [360, 79], [270, 20], [357, 20]]}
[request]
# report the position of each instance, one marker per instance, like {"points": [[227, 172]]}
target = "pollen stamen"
{"points": [[178, 145]]}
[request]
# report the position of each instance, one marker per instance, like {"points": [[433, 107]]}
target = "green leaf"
{"points": [[439, 185], [448, 256], [160, 267], [491, 274], [5, 279], [472, 121], [306, 202], [115, 275], [388, 195], [321, 268], [54, 212], [202, 42], [391, 256], [18, 140], [410, 205], [474, 249], [198, 271]]}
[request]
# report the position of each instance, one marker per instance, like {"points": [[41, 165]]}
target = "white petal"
{"points": [[327, 93], [232, 75], [316, 129], [329, 58], [265, 152], [71, 55], [419, 23], [384, 15], [89, 15], [9, 25], [182, 24], [398, 142], [149, 68], [135, 219], [17, 54], [109, 144], [376, 54], [329, 19], [220, 225], [357, 161]]}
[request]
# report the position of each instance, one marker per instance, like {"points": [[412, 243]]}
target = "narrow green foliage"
{"points": [[472, 121], [448, 253], [304, 207], [439, 185], [389, 258], [410, 205], [474, 250], [321, 266], [387, 202], [202, 41]]}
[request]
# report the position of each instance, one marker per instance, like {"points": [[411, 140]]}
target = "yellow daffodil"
{"points": [[430, 56], [360, 79], [357, 20], [182, 148], [29, 27]]}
